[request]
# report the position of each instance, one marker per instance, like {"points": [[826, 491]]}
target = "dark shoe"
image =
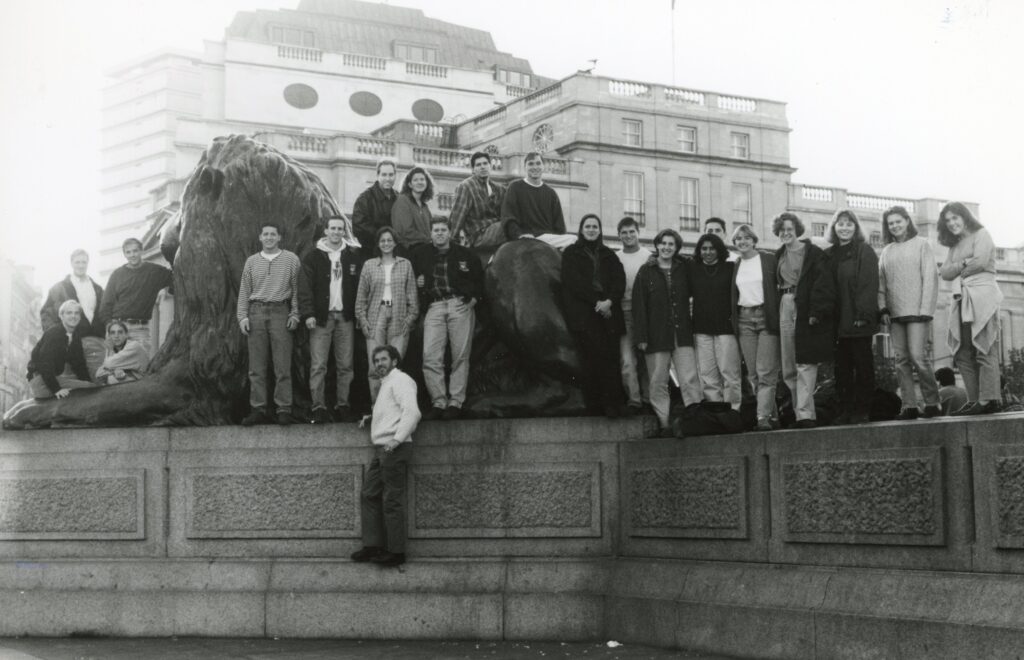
{"points": [[634, 409], [966, 409], [284, 418], [932, 411], [764, 424], [991, 408], [369, 553], [433, 413], [451, 412], [321, 416], [860, 418], [908, 414], [805, 424], [389, 559], [344, 415], [257, 416]]}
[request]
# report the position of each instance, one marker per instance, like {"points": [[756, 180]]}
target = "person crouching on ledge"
{"points": [[126, 358], [57, 364]]}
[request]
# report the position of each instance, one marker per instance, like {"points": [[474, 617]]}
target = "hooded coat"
{"points": [[581, 268], [315, 283], [855, 268]]}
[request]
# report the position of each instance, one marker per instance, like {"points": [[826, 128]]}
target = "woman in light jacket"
{"points": [[908, 285], [661, 324], [807, 299], [755, 320], [387, 303], [974, 315], [855, 269]]}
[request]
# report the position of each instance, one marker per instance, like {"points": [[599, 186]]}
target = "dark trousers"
{"points": [[599, 366], [855, 374], [383, 499]]}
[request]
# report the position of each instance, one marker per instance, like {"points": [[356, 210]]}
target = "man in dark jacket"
{"points": [[78, 287], [327, 300], [451, 281], [373, 206], [60, 347], [131, 293]]}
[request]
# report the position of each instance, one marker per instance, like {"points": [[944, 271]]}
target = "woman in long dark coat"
{"points": [[806, 311], [855, 268], [593, 283]]}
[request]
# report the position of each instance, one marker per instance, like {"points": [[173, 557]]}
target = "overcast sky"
{"points": [[915, 98]]}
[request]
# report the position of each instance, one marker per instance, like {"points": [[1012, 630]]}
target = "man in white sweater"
{"points": [[382, 502]]}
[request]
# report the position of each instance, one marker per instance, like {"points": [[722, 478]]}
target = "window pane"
{"points": [[308, 40], [277, 34], [740, 145], [819, 228], [689, 208], [633, 195], [632, 132], [741, 203], [687, 136]]}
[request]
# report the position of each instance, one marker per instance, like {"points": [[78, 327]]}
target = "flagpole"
{"points": [[672, 21]]}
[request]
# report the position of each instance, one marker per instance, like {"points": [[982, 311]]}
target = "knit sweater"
{"points": [[711, 288], [395, 413], [908, 279]]}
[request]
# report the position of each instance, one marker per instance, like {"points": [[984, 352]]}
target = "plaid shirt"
{"points": [[475, 208], [441, 288]]}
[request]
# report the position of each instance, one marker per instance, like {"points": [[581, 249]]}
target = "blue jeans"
{"points": [[340, 332], [268, 332]]}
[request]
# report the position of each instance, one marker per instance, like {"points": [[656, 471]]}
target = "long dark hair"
{"points": [[428, 192], [583, 220], [716, 242], [971, 223]]}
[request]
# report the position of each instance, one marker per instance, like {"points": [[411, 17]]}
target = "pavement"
{"points": [[175, 648]]}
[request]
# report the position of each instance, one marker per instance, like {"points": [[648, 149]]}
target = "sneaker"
{"points": [[386, 558], [344, 415], [433, 413], [451, 412], [932, 411], [805, 424], [966, 409], [990, 408], [257, 416], [321, 416], [284, 418], [909, 413], [764, 424], [365, 554]]}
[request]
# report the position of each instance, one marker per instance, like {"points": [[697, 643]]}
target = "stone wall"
{"points": [[821, 543]]}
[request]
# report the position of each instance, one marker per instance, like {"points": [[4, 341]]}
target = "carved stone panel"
{"points": [[72, 505], [1008, 509], [886, 497], [686, 497], [509, 500], [272, 502]]}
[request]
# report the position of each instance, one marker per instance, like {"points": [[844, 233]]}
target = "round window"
{"points": [[301, 96], [427, 110], [366, 104]]}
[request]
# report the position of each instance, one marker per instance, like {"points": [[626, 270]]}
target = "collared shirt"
{"points": [[86, 296], [477, 206], [336, 304], [442, 287], [269, 278]]}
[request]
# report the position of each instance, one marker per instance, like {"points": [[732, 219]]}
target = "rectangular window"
{"points": [[741, 203], [818, 229], [687, 137], [740, 145], [876, 239], [689, 205], [292, 36], [415, 53], [633, 196], [632, 132], [1000, 254]]}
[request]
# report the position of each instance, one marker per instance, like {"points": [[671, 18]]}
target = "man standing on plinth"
{"points": [[81, 288], [477, 206], [373, 206], [131, 293], [382, 502]]}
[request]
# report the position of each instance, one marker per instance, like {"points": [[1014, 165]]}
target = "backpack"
{"points": [[705, 418]]}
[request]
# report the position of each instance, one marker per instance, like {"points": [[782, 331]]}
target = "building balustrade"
{"points": [[376, 148], [627, 88], [516, 91], [816, 194], [877, 203], [308, 143], [445, 201], [498, 114], [300, 53], [364, 61], [427, 70], [737, 104], [678, 95], [434, 133], [542, 96], [441, 157]]}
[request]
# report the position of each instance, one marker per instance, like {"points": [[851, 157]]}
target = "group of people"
{"points": [[81, 320], [714, 315]]}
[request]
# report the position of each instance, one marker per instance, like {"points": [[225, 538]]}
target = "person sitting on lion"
{"points": [[126, 359], [57, 364]]}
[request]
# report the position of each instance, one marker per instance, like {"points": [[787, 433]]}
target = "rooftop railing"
{"points": [[364, 61], [877, 203], [426, 70], [816, 194], [300, 53]]}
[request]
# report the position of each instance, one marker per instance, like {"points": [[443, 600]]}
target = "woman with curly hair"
{"points": [[410, 215], [718, 352], [807, 298], [908, 285], [855, 268], [974, 315]]}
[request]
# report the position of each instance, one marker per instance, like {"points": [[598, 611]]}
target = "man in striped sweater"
{"points": [[268, 312]]}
